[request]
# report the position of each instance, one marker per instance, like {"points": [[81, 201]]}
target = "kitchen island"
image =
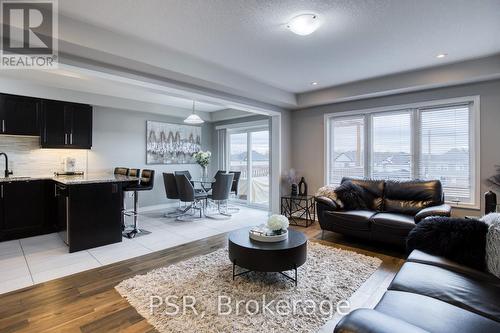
{"points": [[85, 210]]}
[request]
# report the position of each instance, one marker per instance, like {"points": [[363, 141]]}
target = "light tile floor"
{"points": [[33, 260]]}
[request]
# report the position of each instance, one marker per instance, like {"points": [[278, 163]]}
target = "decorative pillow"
{"points": [[328, 191], [460, 240], [493, 243], [351, 195]]}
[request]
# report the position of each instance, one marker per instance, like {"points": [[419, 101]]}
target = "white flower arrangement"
{"points": [[203, 157], [278, 222]]}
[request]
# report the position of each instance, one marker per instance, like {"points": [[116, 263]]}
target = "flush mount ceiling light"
{"points": [[314, 83], [304, 24], [441, 55], [193, 118]]}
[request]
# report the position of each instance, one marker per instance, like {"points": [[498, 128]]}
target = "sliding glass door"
{"points": [[249, 154]]}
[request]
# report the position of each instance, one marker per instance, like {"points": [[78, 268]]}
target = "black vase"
{"points": [[295, 190], [302, 186], [490, 202]]}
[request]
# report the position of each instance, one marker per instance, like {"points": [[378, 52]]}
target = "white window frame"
{"points": [[256, 126], [474, 137]]}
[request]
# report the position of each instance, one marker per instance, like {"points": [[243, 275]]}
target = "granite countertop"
{"points": [[75, 180]]}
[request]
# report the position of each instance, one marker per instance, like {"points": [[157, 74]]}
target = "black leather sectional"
{"points": [[394, 209], [432, 294]]}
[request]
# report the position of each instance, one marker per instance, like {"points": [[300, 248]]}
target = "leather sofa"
{"points": [[432, 294], [394, 209]]}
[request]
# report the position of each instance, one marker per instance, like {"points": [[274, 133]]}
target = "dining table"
{"points": [[205, 182]]}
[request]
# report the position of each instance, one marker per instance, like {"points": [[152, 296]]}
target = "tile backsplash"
{"points": [[26, 158]]}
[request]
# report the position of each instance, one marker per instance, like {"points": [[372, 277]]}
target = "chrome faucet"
{"points": [[7, 172]]}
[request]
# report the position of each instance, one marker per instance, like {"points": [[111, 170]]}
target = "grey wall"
{"points": [[307, 129], [119, 139]]}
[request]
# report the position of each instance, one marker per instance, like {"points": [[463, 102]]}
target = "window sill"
{"points": [[464, 206]]}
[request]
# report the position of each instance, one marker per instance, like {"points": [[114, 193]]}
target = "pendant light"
{"points": [[193, 118]]}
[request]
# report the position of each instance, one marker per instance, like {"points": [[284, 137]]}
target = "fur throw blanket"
{"points": [[460, 240]]}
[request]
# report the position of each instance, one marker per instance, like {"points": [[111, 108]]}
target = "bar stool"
{"points": [[121, 171], [145, 184], [134, 172]]}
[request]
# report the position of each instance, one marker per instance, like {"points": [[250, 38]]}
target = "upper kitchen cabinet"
{"points": [[19, 115], [66, 125]]}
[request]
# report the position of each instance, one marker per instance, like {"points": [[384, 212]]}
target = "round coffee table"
{"points": [[267, 257]]}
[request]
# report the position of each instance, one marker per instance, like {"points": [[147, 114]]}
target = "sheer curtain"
{"points": [[221, 149]]}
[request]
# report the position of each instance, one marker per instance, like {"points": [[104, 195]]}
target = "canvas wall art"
{"points": [[171, 143]]}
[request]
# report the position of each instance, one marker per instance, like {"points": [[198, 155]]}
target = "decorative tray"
{"points": [[263, 234]]}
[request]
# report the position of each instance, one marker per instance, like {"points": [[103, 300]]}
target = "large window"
{"points": [[249, 153], [427, 141], [347, 159]]}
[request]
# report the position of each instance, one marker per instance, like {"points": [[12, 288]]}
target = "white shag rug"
{"points": [[255, 302]]}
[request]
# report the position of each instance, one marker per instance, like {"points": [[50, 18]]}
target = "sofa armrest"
{"points": [[441, 210], [372, 321], [327, 202]]}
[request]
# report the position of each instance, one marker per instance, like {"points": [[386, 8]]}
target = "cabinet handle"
{"points": [[1, 191], [71, 138], [3, 125], [65, 138]]}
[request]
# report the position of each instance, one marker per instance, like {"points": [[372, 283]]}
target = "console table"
{"points": [[299, 209]]}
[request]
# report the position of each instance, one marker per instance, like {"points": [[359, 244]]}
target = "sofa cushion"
{"points": [[375, 191], [409, 197], [371, 321], [421, 257], [393, 223], [391, 228], [433, 315], [464, 291], [351, 220], [328, 191]]}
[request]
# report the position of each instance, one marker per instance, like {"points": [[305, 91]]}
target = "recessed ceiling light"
{"points": [[304, 24], [314, 83], [441, 55]]}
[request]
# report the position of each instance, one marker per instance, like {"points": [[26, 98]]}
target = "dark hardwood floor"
{"points": [[88, 302]]}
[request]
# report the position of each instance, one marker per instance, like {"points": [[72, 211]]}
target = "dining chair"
{"points": [[234, 188], [187, 194], [220, 193], [171, 192]]}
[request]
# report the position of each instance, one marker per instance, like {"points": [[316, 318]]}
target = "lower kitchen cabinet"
{"points": [[93, 215], [23, 209]]}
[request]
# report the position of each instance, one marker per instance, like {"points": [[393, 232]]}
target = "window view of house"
{"points": [[425, 143]]}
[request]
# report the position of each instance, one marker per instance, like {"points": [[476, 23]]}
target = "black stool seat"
{"points": [[139, 187]]}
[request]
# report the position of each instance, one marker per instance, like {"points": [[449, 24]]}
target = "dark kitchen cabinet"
{"points": [[66, 125], [19, 115], [80, 125], [53, 125], [93, 215], [23, 211]]}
